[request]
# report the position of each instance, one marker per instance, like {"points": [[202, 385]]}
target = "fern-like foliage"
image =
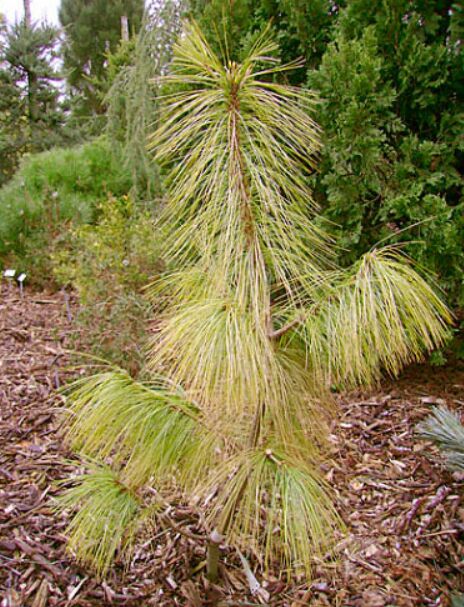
{"points": [[255, 321], [444, 428]]}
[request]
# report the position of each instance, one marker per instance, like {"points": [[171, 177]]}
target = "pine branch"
{"points": [[380, 316], [444, 428], [144, 429], [286, 328], [106, 511], [293, 497]]}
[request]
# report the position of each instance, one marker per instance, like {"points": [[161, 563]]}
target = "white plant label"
{"points": [[9, 273], [21, 277]]}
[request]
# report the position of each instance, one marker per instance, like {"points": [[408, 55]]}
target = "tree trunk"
{"points": [[27, 14], [124, 28], [31, 95], [31, 76], [212, 559]]}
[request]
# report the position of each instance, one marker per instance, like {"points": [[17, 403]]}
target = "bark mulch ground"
{"points": [[404, 512]]}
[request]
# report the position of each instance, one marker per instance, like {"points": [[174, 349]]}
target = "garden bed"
{"points": [[404, 512]]}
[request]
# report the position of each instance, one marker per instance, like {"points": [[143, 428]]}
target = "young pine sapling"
{"points": [[255, 324]]}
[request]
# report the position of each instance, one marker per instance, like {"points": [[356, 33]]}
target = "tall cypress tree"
{"points": [[392, 113]]}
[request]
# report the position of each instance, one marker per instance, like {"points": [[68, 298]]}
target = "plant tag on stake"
{"points": [[9, 274], [21, 278]]}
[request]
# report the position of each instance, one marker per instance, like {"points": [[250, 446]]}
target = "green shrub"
{"points": [[108, 264], [392, 122], [52, 191]]}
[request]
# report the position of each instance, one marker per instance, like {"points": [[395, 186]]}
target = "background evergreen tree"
{"points": [[92, 30], [12, 117], [392, 113], [301, 28], [132, 97], [31, 116], [390, 76]]}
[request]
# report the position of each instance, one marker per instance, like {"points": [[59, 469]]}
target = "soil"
{"points": [[404, 512]]}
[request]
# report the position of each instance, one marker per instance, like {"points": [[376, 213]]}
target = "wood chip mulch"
{"points": [[404, 513]]}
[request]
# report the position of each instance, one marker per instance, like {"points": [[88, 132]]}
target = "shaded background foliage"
{"points": [[133, 91], [93, 30], [66, 217], [31, 114], [390, 78], [52, 192], [392, 116]]}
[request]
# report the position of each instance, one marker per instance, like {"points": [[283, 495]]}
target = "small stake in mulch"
{"points": [[255, 587], [67, 306], [21, 278]]}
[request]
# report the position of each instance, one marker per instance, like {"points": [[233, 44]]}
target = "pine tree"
{"points": [[400, 177], [255, 324], [30, 110], [92, 30], [445, 429]]}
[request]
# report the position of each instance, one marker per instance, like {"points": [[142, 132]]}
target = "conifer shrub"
{"points": [[51, 192], [391, 167], [107, 264]]}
